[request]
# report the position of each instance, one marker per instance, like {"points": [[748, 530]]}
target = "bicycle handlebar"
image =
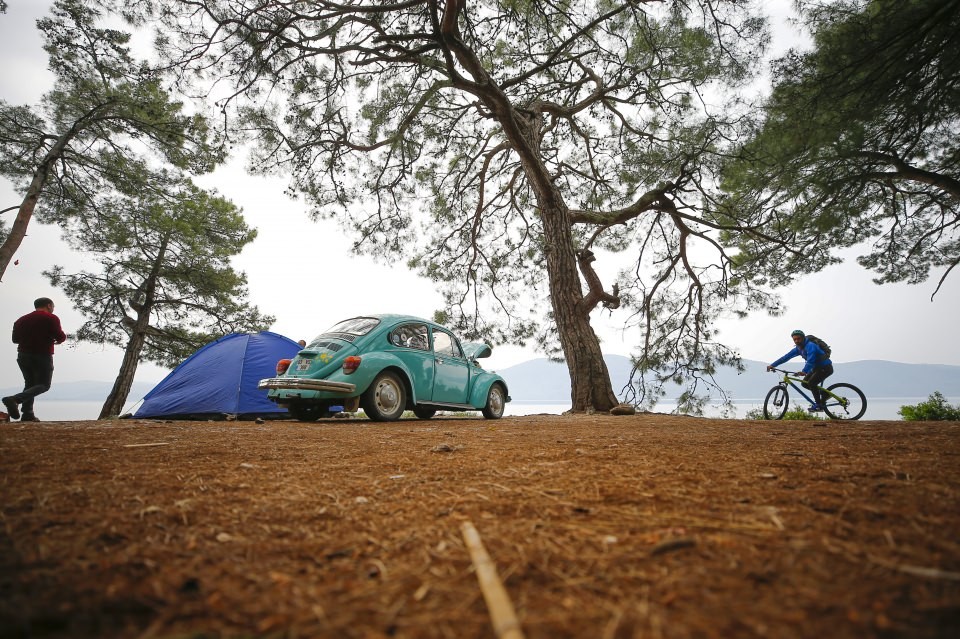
{"points": [[785, 372]]}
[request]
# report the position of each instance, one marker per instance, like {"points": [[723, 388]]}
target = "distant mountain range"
{"points": [[540, 380], [546, 381]]}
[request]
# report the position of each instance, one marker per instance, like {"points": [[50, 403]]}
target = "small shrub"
{"points": [[797, 413], [935, 409]]}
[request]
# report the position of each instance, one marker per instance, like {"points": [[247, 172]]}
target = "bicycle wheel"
{"points": [[776, 403], [852, 404]]}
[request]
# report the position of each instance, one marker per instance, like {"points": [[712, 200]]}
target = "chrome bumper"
{"points": [[297, 383]]}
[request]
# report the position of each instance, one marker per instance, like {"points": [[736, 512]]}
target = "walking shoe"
{"points": [[12, 407], [815, 408], [29, 418]]}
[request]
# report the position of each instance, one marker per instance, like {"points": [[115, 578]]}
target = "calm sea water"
{"points": [[877, 409], [884, 409]]}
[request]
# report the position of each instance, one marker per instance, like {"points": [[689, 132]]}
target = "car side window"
{"points": [[411, 336], [446, 344]]}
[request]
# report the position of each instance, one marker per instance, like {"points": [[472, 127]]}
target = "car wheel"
{"points": [[385, 399], [496, 402], [424, 413]]}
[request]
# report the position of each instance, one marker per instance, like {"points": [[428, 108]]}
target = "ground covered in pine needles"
{"points": [[597, 526]]}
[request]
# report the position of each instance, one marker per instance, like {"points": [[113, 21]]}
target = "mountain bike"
{"points": [[840, 401]]}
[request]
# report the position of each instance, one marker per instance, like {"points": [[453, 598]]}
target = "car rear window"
{"points": [[355, 326]]}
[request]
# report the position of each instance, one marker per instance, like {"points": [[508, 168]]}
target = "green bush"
{"points": [[797, 413], [935, 409]]}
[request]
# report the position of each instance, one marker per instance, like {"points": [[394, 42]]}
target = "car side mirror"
{"points": [[483, 352]]}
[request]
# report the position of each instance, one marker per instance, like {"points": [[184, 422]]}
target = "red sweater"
{"points": [[37, 332]]}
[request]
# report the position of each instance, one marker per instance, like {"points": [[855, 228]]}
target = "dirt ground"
{"points": [[598, 526]]}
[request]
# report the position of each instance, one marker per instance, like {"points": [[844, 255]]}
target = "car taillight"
{"points": [[282, 366], [351, 364]]}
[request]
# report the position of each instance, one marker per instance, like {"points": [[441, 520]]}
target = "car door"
{"points": [[451, 377]]}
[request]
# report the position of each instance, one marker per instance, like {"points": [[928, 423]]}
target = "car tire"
{"points": [[496, 402], [385, 399], [424, 413]]}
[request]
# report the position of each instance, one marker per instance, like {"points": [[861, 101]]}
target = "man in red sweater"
{"points": [[35, 334]]}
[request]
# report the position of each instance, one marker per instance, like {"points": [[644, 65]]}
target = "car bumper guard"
{"points": [[295, 383]]}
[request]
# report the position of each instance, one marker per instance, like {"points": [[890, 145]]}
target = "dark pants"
{"points": [[815, 379], [37, 372]]}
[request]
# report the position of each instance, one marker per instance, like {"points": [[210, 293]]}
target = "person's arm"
{"points": [[793, 353], [58, 335]]}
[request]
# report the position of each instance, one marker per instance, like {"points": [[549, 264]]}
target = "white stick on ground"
{"points": [[502, 615]]}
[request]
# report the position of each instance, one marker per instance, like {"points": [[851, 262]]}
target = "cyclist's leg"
{"points": [[815, 379]]}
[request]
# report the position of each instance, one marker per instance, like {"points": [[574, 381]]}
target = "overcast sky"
{"points": [[293, 264]]}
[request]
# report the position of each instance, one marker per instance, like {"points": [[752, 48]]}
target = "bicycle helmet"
{"points": [[797, 332]]}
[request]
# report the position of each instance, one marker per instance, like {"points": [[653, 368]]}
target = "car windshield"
{"points": [[355, 326]]}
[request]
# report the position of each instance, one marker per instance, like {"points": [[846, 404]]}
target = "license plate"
{"points": [[304, 364]]}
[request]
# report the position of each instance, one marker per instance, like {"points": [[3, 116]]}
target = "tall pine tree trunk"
{"points": [[590, 386], [589, 378], [142, 303], [18, 230], [121, 386]]}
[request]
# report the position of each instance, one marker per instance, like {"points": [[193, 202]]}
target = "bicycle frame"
{"points": [[792, 379]]}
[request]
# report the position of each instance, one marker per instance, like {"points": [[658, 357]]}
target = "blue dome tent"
{"points": [[221, 379]]}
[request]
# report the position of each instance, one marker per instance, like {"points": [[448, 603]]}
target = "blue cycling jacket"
{"points": [[813, 354]]}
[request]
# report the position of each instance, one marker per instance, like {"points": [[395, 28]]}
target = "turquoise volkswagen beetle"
{"points": [[387, 364]]}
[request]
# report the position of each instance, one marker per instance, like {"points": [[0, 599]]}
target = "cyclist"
{"points": [[817, 368]]}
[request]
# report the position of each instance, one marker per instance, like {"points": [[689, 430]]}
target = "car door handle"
{"points": [[438, 360]]}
